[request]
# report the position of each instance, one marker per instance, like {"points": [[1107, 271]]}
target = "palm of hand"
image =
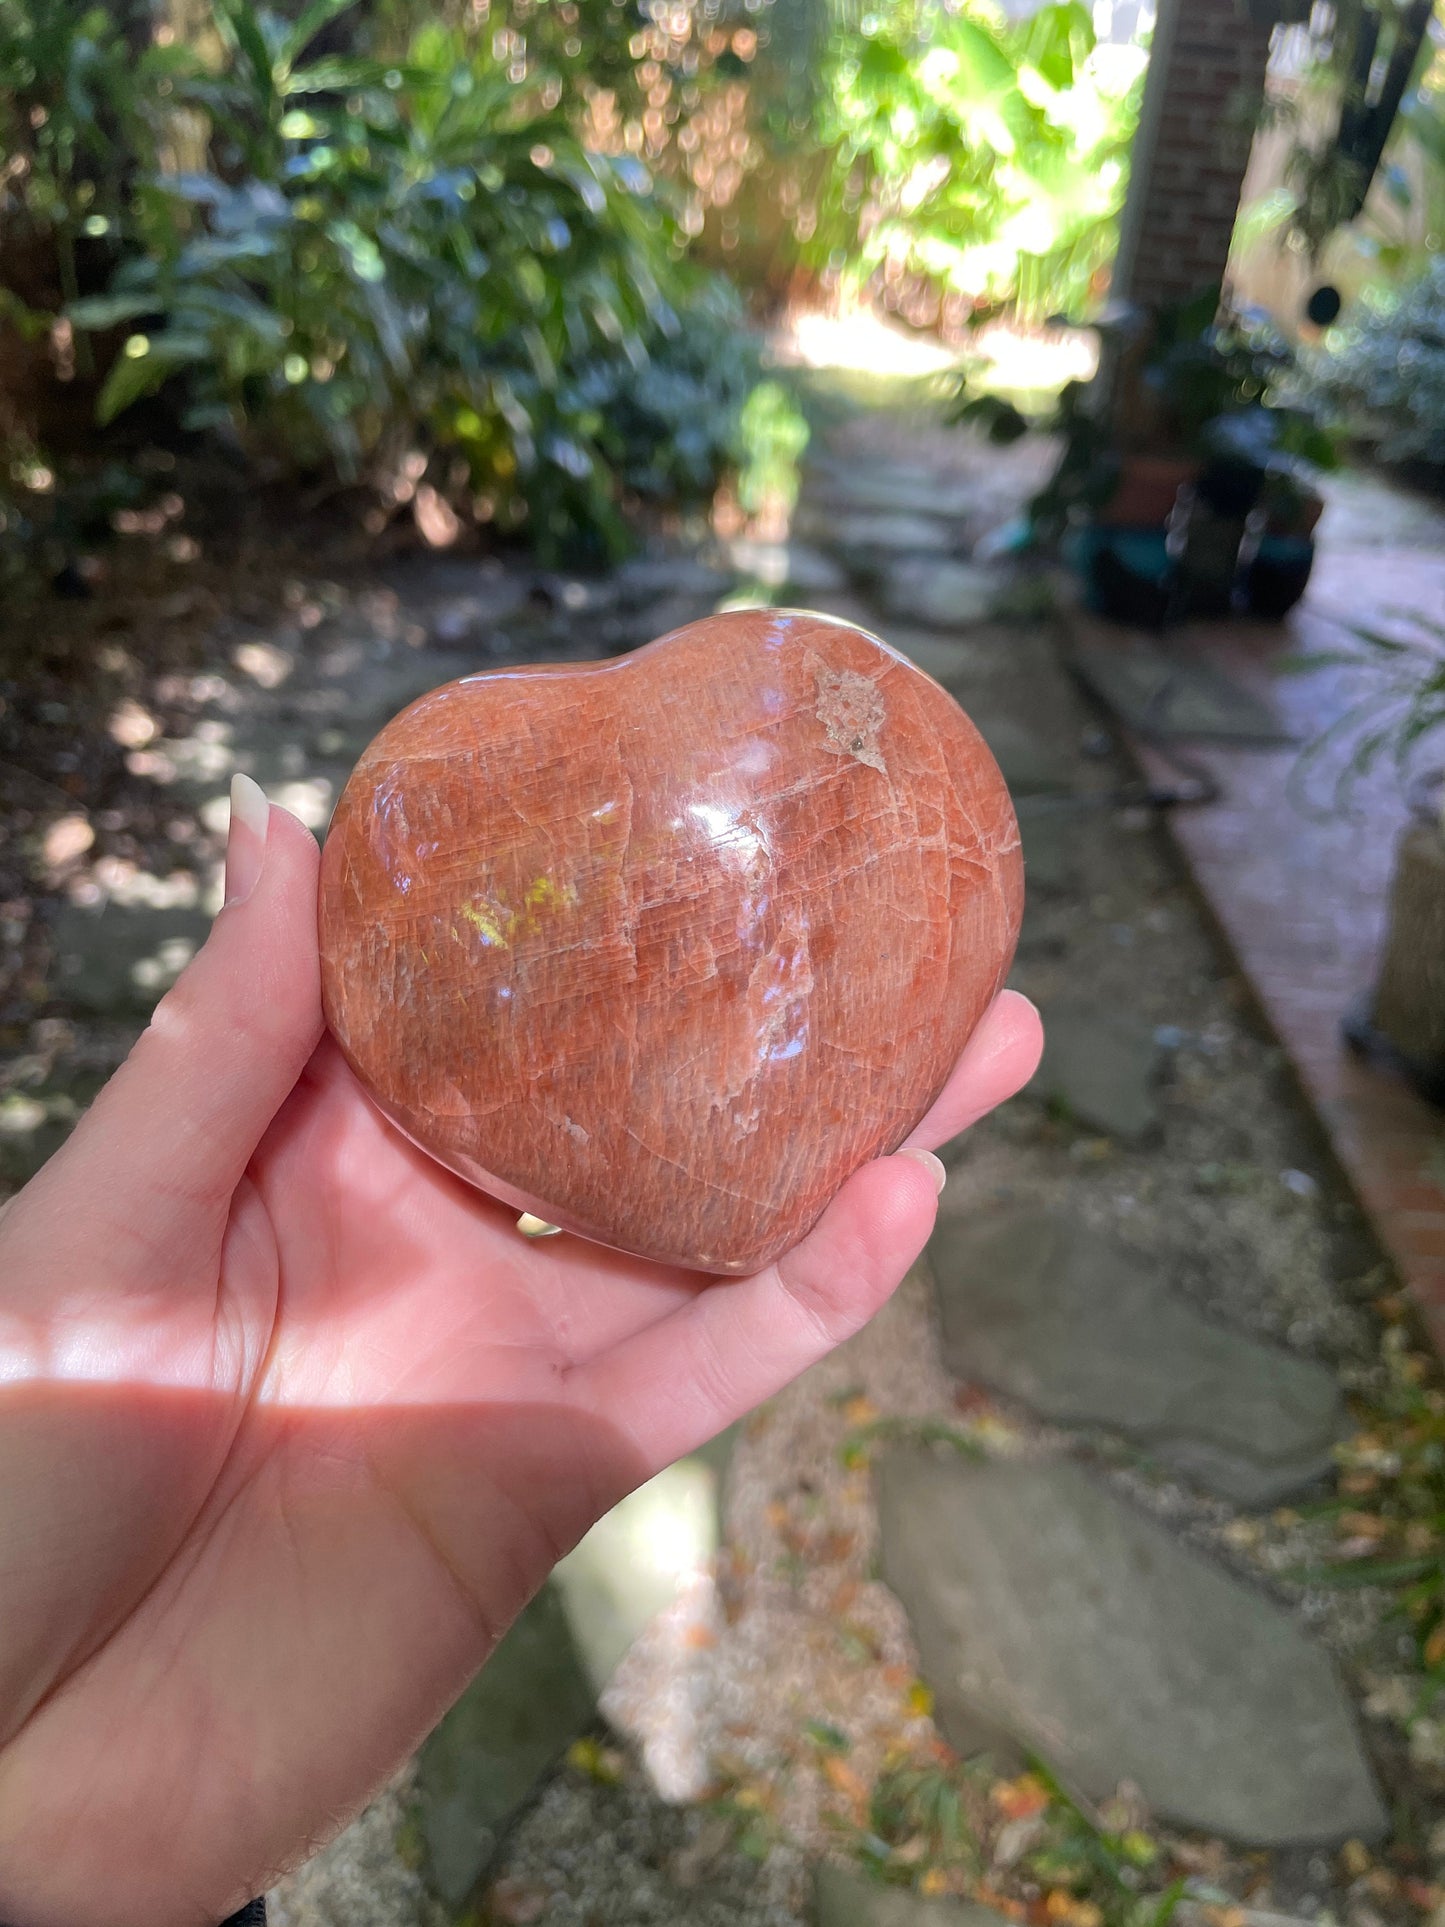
{"points": [[292, 1423], [414, 1445]]}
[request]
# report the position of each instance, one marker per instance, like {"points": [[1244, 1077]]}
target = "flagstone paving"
{"points": [[1040, 1306], [1143, 1256], [1101, 1065], [1054, 1619]]}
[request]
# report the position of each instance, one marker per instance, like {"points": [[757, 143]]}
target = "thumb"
{"points": [[168, 1139]]}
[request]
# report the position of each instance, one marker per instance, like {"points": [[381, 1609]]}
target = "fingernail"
{"points": [[934, 1166], [246, 838]]}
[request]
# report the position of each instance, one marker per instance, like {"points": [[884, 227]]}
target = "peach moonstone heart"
{"points": [[663, 948]]}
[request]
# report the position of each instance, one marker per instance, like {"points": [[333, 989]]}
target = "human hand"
{"points": [[292, 1422]]}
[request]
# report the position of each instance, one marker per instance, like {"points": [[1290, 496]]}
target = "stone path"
{"points": [[1131, 1314], [1043, 1308], [1053, 1618]]}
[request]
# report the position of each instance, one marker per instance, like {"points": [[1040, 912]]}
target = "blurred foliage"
{"points": [[1214, 385], [81, 108], [972, 156], [1401, 709], [409, 271], [773, 435], [1365, 73], [940, 1825], [442, 250], [1389, 1519], [1384, 371]]}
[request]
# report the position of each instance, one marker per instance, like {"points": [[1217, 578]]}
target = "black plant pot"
{"points": [[1278, 575], [1209, 561]]}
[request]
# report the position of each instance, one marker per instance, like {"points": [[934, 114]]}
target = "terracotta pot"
{"points": [[1148, 488]]}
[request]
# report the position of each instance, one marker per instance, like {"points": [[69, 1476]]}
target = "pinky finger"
{"points": [[680, 1381]]}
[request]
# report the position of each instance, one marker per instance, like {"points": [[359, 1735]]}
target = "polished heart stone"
{"points": [[663, 948]]}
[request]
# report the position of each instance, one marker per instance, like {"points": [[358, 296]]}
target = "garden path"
{"points": [[1055, 1502]]}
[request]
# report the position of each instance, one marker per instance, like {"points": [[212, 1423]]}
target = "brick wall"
{"points": [[1205, 87]]}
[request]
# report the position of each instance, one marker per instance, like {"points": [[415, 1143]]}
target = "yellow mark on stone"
{"points": [[544, 894], [498, 925], [494, 925]]}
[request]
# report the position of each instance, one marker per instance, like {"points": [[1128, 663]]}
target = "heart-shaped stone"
{"points": [[663, 948]]}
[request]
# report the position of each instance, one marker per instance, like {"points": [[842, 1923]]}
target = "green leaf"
{"points": [[832, 1739], [1361, 1572], [335, 75], [241, 24], [135, 376], [309, 22], [98, 311]]}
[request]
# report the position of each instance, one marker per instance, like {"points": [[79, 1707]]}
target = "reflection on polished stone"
{"points": [[661, 949]]}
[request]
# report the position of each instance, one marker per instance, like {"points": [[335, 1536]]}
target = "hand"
{"points": [[292, 1423]]}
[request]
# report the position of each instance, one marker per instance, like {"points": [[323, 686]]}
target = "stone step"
{"points": [[1037, 1305], [1052, 1619], [842, 1898]]}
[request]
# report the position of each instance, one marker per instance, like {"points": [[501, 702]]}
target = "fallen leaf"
{"points": [[601, 1763], [1016, 1838], [1355, 1858], [1069, 1911], [843, 1598], [1356, 1485], [919, 1699], [1005, 1904], [1021, 1798], [843, 1779], [831, 1738], [1361, 1525]]}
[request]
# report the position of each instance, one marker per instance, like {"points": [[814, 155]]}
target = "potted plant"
{"points": [[1280, 550], [1401, 717], [1164, 486]]}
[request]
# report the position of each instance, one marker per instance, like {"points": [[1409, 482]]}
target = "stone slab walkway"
{"points": [[1039, 1306], [1055, 1618], [1157, 1353]]}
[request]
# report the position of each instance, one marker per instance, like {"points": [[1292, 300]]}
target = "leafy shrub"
{"points": [[413, 253], [1385, 371], [982, 156], [386, 267], [80, 111], [673, 419]]}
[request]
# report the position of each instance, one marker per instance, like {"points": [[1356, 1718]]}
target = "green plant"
{"points": [[672, 420], [1401, 708], [984, 157], [1384, 372], [1207, 384], [416, 258], [385, 256], [773, 434], [1390, 1512], [1100, 1858], [921, 1817], [82, 109]]}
